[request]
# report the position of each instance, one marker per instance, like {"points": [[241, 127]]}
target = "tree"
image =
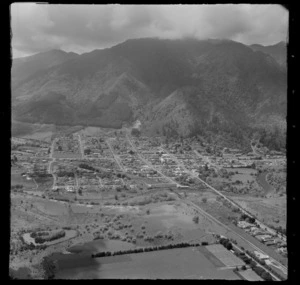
{"points": [[135, 132], [266, 276], [229, 245], [196, 219], [204, 200]]}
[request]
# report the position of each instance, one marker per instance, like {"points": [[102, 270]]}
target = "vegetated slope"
{"points": [[175, 87], [277, 51], [23, 68]]}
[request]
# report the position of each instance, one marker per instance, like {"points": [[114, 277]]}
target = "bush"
{"points": [[258, 270], [229, 246], [266, 276], [252, 263], [196, 219], [42, 237]]}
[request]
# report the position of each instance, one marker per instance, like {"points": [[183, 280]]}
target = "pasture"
{"points": [[250, 275], [182, 263], [225, 256], [17, 179]]}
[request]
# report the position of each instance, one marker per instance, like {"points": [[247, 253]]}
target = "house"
{"points": [[282, 250], [261, 255], [244, 224], [270, 242], [253, 229], [258, 232], [263, 238], [70, 188]]}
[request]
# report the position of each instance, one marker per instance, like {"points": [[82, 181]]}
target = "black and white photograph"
{"points": [[148, 141]]}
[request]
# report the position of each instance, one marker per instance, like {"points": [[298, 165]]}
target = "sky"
{"points": [[82, 28]]}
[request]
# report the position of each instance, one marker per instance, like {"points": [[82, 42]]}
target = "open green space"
{"points": [[186, 263]]}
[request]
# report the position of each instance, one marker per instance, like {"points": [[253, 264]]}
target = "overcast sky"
{"points": [[82, 28]]}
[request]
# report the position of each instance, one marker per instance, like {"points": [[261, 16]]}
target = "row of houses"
{"points": [[263, 236]]}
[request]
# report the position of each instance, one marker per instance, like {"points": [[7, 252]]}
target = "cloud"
{"points": [[81, 28]]}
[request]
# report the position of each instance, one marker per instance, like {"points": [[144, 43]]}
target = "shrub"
{"points": [[229, 246], [266, 276], [196, 219]]}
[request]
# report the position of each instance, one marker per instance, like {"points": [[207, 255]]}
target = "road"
{"points": [[213, 219], [205, 158], [149, 164], [81, 146], [282, 267], [262, 225], [279, 265], [51, 162], [115, 156]]}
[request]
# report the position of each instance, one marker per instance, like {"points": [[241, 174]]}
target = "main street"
{"points": [[51, 162], [81, 146], [149, 164], [117, 159], [206, 158]]}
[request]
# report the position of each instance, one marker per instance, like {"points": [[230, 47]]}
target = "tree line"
{"points": [[263, 263], [252, 262], [147, 249], [41, 237]]}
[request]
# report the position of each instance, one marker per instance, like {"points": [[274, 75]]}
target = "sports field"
{"points": [[184, 263]]}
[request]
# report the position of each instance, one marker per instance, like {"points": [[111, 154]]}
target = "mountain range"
{"points": [[174, 87]]}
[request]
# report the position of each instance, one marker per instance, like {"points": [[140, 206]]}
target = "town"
{"points": [[124, 169]]}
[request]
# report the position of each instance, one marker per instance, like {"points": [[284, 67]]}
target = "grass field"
{"points": [[250, 275], [225, 256], [101, 245], [269, 210], [52, 208], [33, 131], [66, 155], [17, 179], [185, 263], [69, 234]]}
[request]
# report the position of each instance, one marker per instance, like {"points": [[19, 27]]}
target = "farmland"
{"points": [[187, 263]]}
